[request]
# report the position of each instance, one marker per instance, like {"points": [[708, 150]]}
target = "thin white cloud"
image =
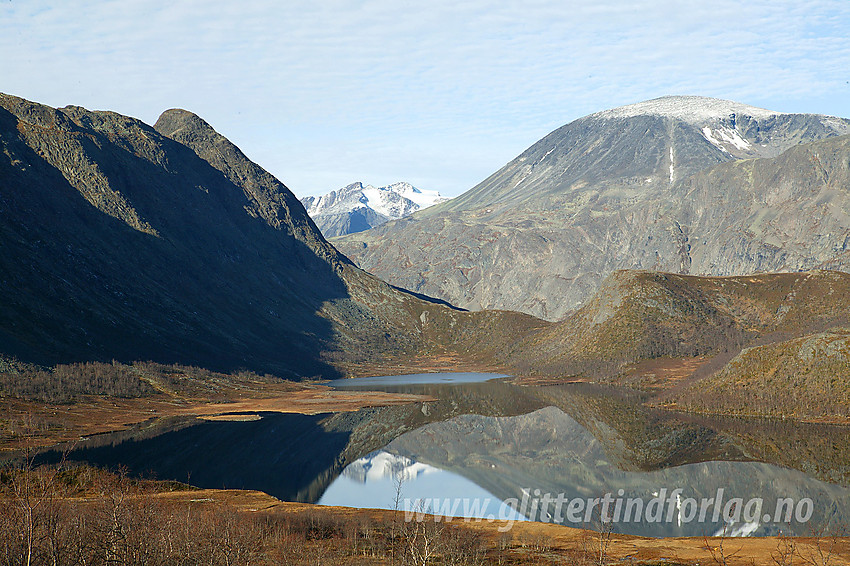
{"points": [[325, 93]]}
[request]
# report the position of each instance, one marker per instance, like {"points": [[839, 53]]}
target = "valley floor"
{"points": [[32, 424], [261, 529]]}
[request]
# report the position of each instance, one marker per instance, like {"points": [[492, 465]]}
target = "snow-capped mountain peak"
{"points": [[739, 130], [690, 109], [357, 207]]}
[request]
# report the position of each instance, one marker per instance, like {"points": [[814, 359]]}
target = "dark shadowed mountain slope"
{"points": [[119, 242], [268, 198], [648, 186], [124, 241]]}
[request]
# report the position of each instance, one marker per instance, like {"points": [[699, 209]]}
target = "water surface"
{"points": [[484, 438], [456, 378], [382, 480]]}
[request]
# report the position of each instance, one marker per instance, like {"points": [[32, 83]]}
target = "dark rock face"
{"points": [[123, 241], [681, 184], [120, 242], [268, 198]]}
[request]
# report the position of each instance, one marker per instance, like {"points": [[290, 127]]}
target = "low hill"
{"points": [[642, 315], [794, 378]]}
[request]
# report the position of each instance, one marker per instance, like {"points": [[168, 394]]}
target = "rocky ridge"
{"points": [[131, 242]]}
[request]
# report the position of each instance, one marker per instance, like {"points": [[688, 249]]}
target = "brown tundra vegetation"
{"points": [[84, 516]]}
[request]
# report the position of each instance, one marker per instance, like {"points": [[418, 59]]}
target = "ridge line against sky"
{"points": [[439, 94]]}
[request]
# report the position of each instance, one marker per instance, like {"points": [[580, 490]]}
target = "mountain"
{"points": [[678, 184], [358, 207], [130, 242]]}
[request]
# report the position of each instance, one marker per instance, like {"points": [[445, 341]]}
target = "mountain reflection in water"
{"points": [[374, 480], [549, 451], [496, 439]]}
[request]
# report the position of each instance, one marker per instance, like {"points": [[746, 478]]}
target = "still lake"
{"points": [[491, 449]]}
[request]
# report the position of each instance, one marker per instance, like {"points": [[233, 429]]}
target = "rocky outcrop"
{"points": [[791, 379]]}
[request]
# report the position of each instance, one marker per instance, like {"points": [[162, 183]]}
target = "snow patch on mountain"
{"points": [[726, 135], [672, 170], [836, 124], [691, 109]]}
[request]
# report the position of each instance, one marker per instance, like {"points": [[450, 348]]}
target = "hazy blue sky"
{"points": [[437, 93]]}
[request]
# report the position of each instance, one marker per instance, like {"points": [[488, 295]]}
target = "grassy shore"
{"points": [[86, 516]]}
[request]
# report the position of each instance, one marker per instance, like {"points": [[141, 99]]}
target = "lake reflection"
{"points": [[457, 378], [374, 481], [493, 439], [549, 452]]}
